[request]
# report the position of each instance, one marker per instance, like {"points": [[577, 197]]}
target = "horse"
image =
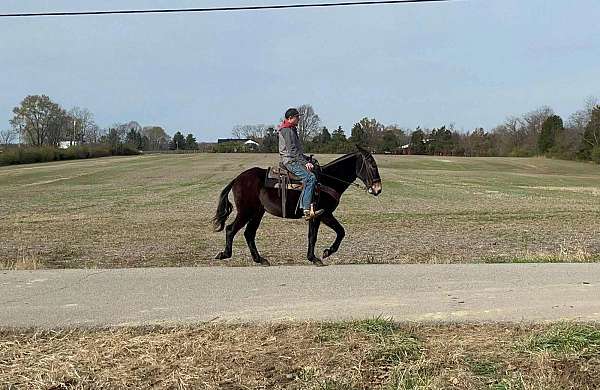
{"points": [[252, 198]]}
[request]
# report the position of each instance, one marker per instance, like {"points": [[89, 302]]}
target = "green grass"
{"points": [[579, 339], [155, 210]]}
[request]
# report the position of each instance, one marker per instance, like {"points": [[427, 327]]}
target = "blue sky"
{"points": [[470, 62]]}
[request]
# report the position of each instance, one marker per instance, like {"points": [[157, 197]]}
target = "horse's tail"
{"points": [[224, 209]]}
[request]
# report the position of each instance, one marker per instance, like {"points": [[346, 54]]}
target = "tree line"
{"points": [[540, 132], [39, 122], [45, 131]]}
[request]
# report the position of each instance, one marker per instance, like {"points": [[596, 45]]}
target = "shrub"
{"points": [[29, 155], [595, 154]]}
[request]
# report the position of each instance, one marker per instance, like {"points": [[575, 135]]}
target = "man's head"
{"points": [[292, 115]]}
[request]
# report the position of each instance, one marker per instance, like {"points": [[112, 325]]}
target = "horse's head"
{"points": [[366, 170]]}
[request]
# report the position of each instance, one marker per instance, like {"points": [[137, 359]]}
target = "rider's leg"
{"points": [[309, 188], [309, 180], [300, 171]]}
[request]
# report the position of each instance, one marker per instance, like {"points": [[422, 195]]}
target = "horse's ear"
{"points": [[361, 149]]}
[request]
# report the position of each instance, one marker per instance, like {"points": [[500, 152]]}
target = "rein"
{"points": [[343, 181], [359, 186]]}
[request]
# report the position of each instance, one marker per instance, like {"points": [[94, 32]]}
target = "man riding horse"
{"points": [[254, 194], [294, 160]]}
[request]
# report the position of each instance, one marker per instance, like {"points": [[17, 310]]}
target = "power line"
{"points": [[218, 9]]}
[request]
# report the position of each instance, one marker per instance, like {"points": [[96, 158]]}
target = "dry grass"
{"points": [[371, 354], [24, 261], [155, 211]]}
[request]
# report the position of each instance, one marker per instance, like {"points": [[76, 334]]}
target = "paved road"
{"points": [[500, 292]]}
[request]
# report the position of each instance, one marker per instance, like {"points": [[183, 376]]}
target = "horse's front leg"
{"points": [[313, 232], [330, 221]]}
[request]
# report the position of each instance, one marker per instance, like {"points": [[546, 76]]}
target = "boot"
{"points": [[312, 214]]}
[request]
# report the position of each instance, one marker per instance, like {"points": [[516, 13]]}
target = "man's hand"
{"points": [[309, 166]]}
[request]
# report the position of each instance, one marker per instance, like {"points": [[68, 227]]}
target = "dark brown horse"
{"points": [[252, 199]]}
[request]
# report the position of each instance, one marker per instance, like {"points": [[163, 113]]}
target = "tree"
{"points": [[579, 119], [338, 135], [178, 142], [158, 139], [590, 146], [389, 141], [270, 142], [190, 142], [135, 138], [510, 136], [366, 132], [478, 143], [339, 142], [532, 128], [571, 141], [7, 136], [92, 134], [309, 124], [113, 137], [551, 129], [417, 142], [325, 137], [40, 121], [400, 134], [82, 126]]}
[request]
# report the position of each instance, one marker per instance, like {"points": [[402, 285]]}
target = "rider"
{"points": [[293, 158]]}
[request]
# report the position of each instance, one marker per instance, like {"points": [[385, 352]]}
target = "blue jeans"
{"points": [[308, 178]]}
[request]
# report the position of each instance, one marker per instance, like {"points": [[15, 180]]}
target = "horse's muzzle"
{"points": [[375, 188]]}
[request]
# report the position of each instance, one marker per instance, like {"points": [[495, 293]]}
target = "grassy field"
{"points": [[367, 354], [155, 210]]}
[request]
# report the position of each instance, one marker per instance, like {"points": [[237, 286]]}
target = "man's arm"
{"points": [[291, 143]]}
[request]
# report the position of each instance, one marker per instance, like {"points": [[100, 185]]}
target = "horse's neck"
{"points": [[344, 170]]}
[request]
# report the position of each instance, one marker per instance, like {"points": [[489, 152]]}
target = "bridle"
{"points": [[367, 169], [370, 178]]}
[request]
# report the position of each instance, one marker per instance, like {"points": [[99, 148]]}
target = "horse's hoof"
{"points": [[326, 253], [318, 263], [222, 256], [264, 262]]}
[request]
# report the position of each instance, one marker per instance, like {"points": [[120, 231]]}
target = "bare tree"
{"points": [[82, 125], [310, 123], [92, 134], [7, 136], [532, 126], [254, 132], [510, 134], [158, 139], [579, 119]]}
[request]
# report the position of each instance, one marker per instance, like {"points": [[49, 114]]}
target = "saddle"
{"points": [[279, 177]]}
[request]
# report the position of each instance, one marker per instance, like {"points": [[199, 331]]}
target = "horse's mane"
{"points": [[337, 160]]}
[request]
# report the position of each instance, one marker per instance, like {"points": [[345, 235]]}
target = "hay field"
{"points": [[155, 210]]}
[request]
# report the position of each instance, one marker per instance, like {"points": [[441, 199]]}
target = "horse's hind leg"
{"points": [[250, 235], [230, 232]]}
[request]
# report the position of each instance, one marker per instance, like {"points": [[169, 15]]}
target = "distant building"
{"points": [[66, 144], [251, 144]]}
